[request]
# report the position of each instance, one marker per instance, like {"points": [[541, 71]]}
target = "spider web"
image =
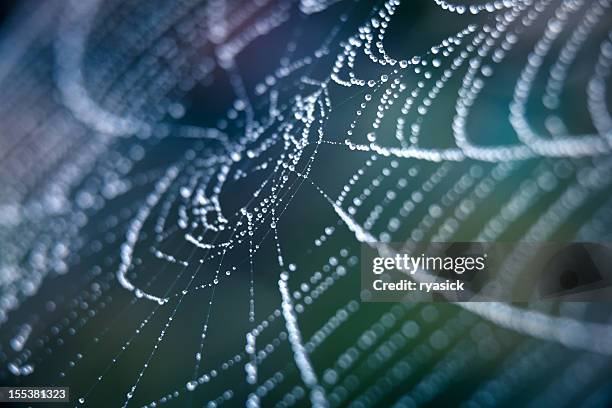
{"points": [[186, 186]]}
